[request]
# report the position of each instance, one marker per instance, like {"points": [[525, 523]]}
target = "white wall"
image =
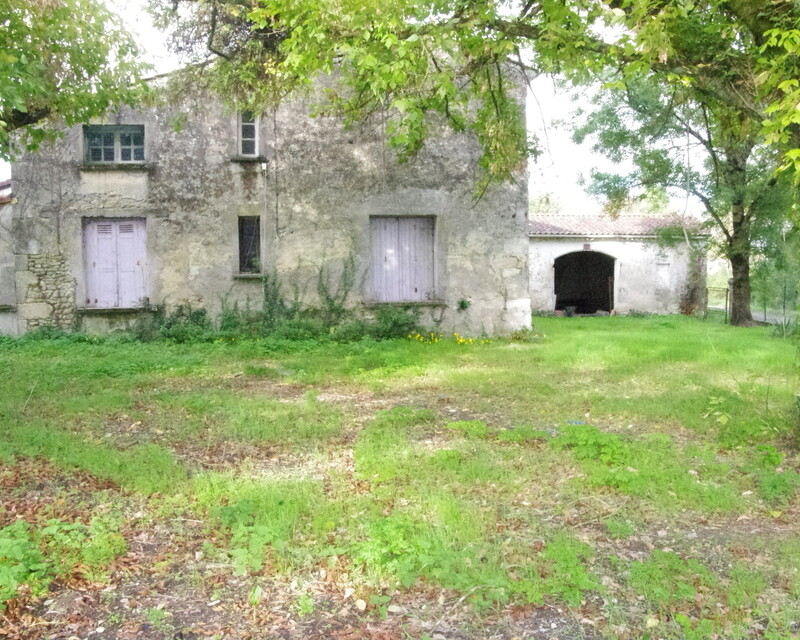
{"points": [[641, 270]]}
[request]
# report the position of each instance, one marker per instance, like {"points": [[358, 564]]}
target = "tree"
{"points": [[711, 151], [65, 59], [714, 64]]}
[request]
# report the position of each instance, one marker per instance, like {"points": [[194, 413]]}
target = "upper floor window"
{"points": [[248, 134], [114, 143]]}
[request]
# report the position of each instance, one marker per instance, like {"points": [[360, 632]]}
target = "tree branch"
{"points": [[212, 32]]}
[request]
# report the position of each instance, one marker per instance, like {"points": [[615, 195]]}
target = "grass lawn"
{"points": [[611, 478]]}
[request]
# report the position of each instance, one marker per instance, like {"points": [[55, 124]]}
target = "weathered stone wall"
{"points": [[8, 291], [314, 189], [636, 281], [49, 292]]}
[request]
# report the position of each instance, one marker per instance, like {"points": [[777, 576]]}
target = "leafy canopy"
{"points": [[409, 58], [66, 59]]}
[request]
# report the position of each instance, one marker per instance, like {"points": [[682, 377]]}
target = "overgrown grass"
{"points": [[505, 472]]}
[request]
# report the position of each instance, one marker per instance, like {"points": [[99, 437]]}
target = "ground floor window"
{"points": [[402, 258], [249, 244], [116, 260]]}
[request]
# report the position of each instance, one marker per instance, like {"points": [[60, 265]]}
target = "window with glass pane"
{"points": [[247, 134], [249, 244], [114, 143]]}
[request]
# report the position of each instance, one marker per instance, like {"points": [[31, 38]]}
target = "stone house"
{"points": [[586, 264], [191, 203]]}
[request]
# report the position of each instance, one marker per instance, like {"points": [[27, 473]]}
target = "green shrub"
{"points": [[351, 331], [299, 329], [186, 325], [394, 322]]}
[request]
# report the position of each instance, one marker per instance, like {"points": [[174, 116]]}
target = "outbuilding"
{"points": [[595, 264]]}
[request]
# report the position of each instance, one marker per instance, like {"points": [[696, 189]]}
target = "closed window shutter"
{"points": [[384, 265], [115, 263], [402, 265], [106, 264], [130, 263]]}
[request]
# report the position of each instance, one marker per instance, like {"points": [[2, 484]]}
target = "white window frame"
{"points": [[241, 139], [117, 134]]}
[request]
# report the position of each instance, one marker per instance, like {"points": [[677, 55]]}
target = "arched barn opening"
{"points": [[584, 282]]}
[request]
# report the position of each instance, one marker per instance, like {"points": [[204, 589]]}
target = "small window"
{"points": [[249, 244], [114, 143], [402, 258], [248, 134]]}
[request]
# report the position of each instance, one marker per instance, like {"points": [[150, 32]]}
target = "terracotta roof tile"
{"points": [[593, 226]]}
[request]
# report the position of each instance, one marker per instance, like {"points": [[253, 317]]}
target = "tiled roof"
{"points": [[598, 225]]}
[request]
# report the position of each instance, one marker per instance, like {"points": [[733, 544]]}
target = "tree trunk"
{"points": [[740, 290], [739, 239]]}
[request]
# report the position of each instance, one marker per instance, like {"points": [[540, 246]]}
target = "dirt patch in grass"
{"points": [[34, 488]]}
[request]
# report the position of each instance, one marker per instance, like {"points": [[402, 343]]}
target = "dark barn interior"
{"points": [[584, 282]]}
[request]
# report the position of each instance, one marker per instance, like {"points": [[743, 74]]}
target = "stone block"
{"points": [[35, 311]]}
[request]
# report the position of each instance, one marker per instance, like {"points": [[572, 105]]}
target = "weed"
{"points": [[776, 485], [147, 468], [526, 335], [333, 296], [459, 339], [304, 605], [564, 570], [476, 429], [274, 308], [93, 546], [618, 528], [261, 371], [157, 617], [746, 584], [381, 604], [650, 467], [667, 580], [258, 516], [522, 433], [186, 325], [21, 562]]}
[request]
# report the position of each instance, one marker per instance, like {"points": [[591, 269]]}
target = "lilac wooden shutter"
{"points": [[101, 269], [415, 246], [130, 262], [402, 259], [115, 263], [385, 262]]}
